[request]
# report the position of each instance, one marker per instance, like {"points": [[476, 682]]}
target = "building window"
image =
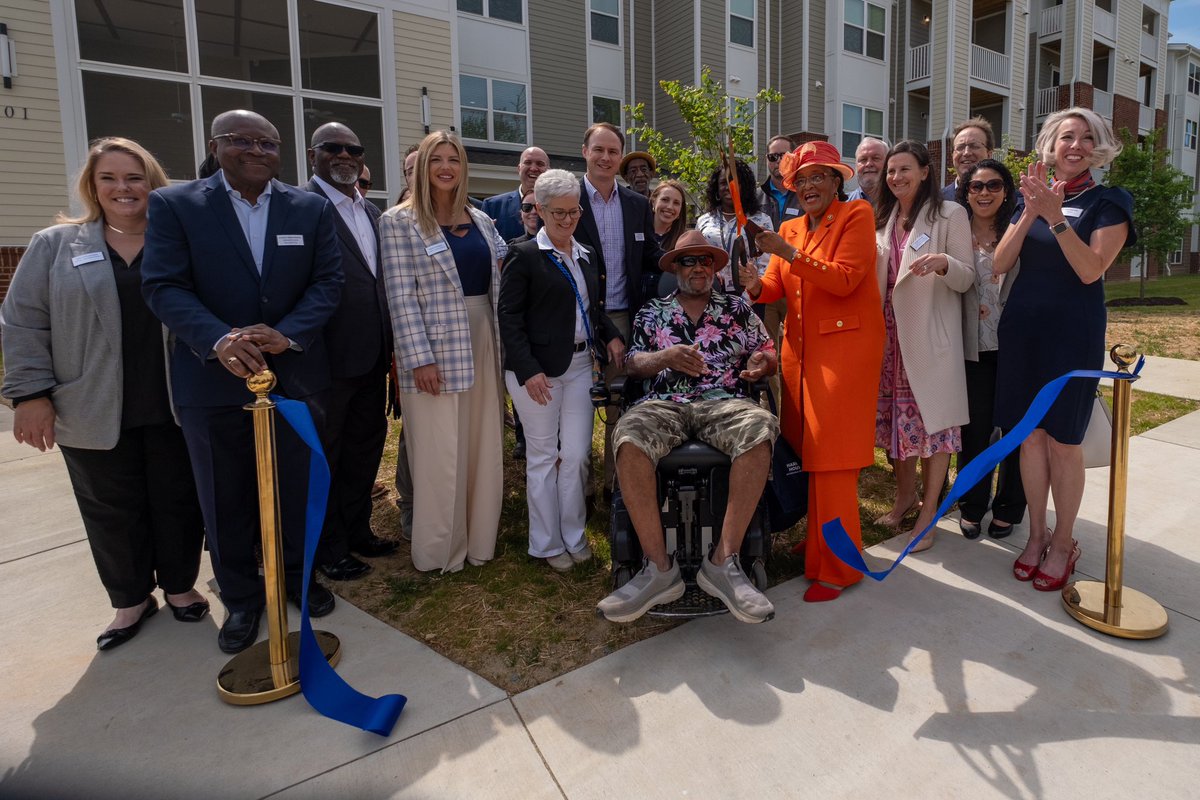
{"points": [[1194, 78], [741, 22], [1176, 256], [606, 109], [493, 110], [1189, 134], [864, 29], [857, 122], [606, 21], [507, 10]]}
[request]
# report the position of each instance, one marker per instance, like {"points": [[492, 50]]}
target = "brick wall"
{"points": [[1084, 97], [808, 136], [9, 256], [1125, 114]]}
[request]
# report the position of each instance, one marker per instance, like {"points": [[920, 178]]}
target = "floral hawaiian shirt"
{"points": [[728, 333]]}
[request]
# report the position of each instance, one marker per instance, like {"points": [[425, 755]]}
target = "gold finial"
{"points": [[261, 385], [1123, 355]]}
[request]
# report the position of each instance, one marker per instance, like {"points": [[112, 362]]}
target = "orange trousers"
{"points": [[831, 494]]}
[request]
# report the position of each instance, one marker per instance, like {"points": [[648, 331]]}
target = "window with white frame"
{"points": [[493, 110], [741, 22], [606, 109], [606, 21], [857, 122], [507, 10], [1194, 78], [1176, 256], [299, 63], [1189, 133], [865, 28]]}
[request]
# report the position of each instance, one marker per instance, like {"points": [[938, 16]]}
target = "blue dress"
{"points": [[1054, 323]]}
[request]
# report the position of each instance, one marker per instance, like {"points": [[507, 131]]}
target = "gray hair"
{"points": [[869, 140], [1107, 146], [554, 183]]}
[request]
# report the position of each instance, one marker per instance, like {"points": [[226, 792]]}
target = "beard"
{"points": [[343, 174], [686, 289]]}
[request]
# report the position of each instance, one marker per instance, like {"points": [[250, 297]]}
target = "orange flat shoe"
{"points": [[1047, 583]]}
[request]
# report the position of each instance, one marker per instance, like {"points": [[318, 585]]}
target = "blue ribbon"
{"points": [[979, 467], [323, 688]]}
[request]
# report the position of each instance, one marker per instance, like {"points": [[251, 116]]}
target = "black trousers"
{"points": [[220, 441], [1009, 503], [356, 426], [139, 508]]}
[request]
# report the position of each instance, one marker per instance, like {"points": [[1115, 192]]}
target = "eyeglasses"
{"points": [[335, 149], [526, 207], [248, 142], [815, 180], [994, 185], [364, 183], [560, 214], [969, 146], [694, 261], [773, 157]]}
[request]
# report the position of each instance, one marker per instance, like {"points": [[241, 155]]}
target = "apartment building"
{"points": [[1183, 129]]}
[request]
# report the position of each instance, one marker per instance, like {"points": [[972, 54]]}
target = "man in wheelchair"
{"points": [[690, 348]]}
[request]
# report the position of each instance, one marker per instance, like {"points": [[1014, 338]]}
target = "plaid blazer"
{"points": [[425, 297]]}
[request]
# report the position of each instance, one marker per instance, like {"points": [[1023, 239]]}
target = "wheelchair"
{"points": [[693, 488]]}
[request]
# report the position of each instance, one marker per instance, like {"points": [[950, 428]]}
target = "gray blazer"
{"points": [[61, 326]]}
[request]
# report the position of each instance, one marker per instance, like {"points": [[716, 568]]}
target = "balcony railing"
{"points": [[918, 62], [1104, 24], [1047, 101], [1051, 22], [1102, 103], [1149, 46], [1145, 119], [988, 65]]}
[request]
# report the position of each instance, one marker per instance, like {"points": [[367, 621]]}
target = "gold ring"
{"points": [[231, 360]]}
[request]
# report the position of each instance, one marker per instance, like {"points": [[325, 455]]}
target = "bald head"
{"points": [[231, 121], [332, 132], [247, 148], [336, 157], [533, 163]]}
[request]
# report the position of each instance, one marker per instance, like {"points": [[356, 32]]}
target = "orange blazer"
{"points": [[833, 338]]}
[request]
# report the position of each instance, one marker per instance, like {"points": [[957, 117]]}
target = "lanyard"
{"points": [[587, 328]]}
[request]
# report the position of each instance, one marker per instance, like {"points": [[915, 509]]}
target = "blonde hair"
{"points": [[421, 199], [85, 186], [1107, 146]]}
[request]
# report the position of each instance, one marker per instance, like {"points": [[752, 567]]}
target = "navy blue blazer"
{"points": [[641, 248], [505, 211], [199, 279]]}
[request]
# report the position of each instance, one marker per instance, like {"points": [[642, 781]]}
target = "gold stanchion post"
{"points": [[269, 670], [1111, 607]]}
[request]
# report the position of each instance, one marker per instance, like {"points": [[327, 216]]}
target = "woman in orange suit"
{"points": [[824, 264]]}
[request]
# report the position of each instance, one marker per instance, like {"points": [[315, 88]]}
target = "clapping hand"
{"points": [[684, 358], [1042, 198]]}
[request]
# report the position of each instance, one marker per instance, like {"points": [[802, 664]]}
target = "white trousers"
{"points": [[558, 433]]}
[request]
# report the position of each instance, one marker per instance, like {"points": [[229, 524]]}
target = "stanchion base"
{"points": [[246, 678], [1141, 616]]}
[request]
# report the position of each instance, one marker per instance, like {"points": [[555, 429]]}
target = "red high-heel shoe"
{"points": [[1046, 583], [1025, 572]]}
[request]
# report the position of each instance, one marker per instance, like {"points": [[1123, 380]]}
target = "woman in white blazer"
{"points": [[923, 265], [441, 274], [85, 367]]}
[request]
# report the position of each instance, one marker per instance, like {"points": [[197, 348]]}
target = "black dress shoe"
{"points": [[371, 546], [346, 568], [519, 450], [970, 530], [193, 612], [320, 599], [239, 631], [999, 531], [115, 637]]}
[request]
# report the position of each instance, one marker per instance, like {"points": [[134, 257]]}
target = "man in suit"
{"points": [[973, 141], [245, 272], [359, 340], [505, 209], [619, 227]]}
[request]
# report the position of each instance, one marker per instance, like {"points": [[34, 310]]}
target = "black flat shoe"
{"points": [[970, 530], [115, 637], [193, 612], [320, 600], [371, 546], [346, 568], [239, 631], [999, 531]]}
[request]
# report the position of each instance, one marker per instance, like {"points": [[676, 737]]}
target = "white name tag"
{"points": [[920, 242], [639, 236], [791, 212], [289, 240], [87, 258], [434, 249], [1072, 212]]}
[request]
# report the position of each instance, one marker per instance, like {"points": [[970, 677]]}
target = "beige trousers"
{"points": [[774, 317]]}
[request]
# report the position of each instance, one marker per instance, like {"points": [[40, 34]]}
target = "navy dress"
{"points": [[1054, 323]]}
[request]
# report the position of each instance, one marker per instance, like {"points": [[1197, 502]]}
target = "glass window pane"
{"points": [[365, 121], [606, 109], [275, 107], [875, 45], [854, 12], [606, 29], [474, 125], [248, 41], [161, 119], [130, 32], [509, 10], [850, 141], [743, 8], [741, 31], [471, 6], [606, 6], [852, 38], [339, 49], [875, 18], [874, 122], [473, 91], [852, 118], [508, 96], [509, 128]]}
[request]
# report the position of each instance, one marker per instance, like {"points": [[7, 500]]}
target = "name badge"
{"points": [[920, 242], [791, 212], [86, 258], [639, 236], [434, 249], [1072, 212], [289, 240]]}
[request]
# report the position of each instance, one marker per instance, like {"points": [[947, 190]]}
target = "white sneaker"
{"points": [[644, 591], [561, 562], [582, 554], [728, 584]]}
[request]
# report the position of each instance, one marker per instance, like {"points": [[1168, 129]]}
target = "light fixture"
{"points": [[735, 79], [925, 21], [8, 57], [425, 107]]}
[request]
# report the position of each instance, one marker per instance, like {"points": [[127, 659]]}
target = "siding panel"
{"points": [[562, 106], [422, 60], [675, 52]]}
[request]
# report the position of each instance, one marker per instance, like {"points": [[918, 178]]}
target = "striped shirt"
{"points": [[611, 225]]}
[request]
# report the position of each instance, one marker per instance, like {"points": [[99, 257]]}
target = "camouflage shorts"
{"points": [[731, 426]]}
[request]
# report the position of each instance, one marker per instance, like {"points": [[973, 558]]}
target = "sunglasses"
{"points": [[364, 183], [994, 185], [335, 149], [526, 207], [773, 157], [248, 142], [694, 261]]}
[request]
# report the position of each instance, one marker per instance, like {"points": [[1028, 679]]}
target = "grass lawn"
{"points": [[1170, 331]]}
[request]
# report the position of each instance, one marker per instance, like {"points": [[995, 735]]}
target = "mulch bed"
{"points": [[1146, 301]]}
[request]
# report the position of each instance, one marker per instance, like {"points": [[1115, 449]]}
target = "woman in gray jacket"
{"points": [[85, 368]]}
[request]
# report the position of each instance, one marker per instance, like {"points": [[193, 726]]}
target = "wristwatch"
{"points": [[1060, 228]]}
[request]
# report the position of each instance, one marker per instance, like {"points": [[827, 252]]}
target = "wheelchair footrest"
{"points": [[694, 603]]}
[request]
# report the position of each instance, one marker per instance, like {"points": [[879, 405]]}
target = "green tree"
{"points": [[1162, 197], [711, 117], [1013, 158]]}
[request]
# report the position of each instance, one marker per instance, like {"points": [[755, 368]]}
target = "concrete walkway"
{"points": [[950, 679]]}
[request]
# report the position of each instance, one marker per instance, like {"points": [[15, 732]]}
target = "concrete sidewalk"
{"points": [[950, 679]]}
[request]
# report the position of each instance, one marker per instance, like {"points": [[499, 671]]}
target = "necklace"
{"points": [[109, 225]]}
